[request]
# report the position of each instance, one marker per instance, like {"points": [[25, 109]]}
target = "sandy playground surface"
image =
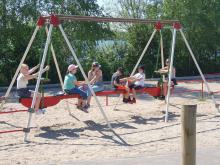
{"points": [[139, 128]]}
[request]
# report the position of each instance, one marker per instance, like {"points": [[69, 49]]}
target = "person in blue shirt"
{"points": [[71, 86]]}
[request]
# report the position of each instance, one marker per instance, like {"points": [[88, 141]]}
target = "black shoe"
{"points": [[125, 100]]}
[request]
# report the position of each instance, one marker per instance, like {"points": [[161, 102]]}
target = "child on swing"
{"points": [[24, 76], [71, 86], [165, 70], [136, 82], [117, 84]]}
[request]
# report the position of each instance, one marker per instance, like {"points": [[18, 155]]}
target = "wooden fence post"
{"points": [[188, 126]]}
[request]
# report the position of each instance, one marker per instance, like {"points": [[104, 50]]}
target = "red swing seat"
{"points": [[49, 101]]}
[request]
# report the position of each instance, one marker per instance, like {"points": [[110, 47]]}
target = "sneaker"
{"points": [[125, 100], [130, 101], [40, 111], [134, 100], [85, 109]]}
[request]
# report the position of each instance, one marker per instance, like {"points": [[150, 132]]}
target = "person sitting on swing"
{"points": [[96, 80], [136, 82], [165, 70], [24, 76], [71, 86], [117, 84]]}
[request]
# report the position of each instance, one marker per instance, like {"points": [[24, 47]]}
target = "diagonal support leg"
{"points": [[84, 75], [170, 74], [199, 69], [162, 53], [55, 62], [39, 79], [144, 51], [19, 66]]}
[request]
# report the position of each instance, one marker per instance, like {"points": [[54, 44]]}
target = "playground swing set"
{"points": [[55, 21]]}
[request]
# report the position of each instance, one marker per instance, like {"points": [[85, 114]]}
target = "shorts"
{"points": [[76, 91], [174, 81], [136, 87], [24, 92]]}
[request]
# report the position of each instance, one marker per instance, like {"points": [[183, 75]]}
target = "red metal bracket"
{"points": [[54, 20], [158, 25], [177, 25], [40, 21]]}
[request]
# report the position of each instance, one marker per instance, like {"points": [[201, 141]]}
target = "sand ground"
{"points": [[63, 135]]}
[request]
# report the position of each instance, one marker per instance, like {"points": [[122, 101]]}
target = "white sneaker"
{"points": [[40, 111]]}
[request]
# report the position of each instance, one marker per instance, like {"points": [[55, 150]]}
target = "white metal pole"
{"points": [[144, 51], [170, 74], [39, 78], [84, 75], [21, 62], [55, 62], [199, 69], [162, 52]]}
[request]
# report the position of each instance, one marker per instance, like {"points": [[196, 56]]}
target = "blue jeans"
{"points": [[95, 87], [76, 91]]}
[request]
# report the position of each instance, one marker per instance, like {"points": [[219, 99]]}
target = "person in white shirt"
{"points": [[22, 81], [136, 82]]}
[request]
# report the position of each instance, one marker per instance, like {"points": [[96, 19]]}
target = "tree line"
{"points": [[112, 45]]}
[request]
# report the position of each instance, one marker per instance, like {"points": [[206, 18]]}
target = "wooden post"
{"points": [[188, 120]]}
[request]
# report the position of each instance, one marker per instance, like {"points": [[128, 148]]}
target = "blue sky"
{"points": [[110, 6]]}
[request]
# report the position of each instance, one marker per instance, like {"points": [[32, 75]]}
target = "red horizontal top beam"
{"points": [[110, 19]]}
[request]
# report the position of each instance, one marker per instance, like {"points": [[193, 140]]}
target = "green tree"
{"points": [[200, 22], [18, 20]]}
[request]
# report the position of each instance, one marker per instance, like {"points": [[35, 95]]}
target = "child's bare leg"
{"points": [[83, 103], [37, 102], [134, 93], [126, 95], [79, 102]]}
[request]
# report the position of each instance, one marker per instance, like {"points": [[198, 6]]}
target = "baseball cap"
{"points": [[72, 67]]}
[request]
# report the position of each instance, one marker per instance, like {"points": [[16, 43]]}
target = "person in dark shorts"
{"points": [[117, 84], [24, 76]]}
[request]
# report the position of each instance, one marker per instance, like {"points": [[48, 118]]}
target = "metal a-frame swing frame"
{"points": [[54, 21], [176, 27]]}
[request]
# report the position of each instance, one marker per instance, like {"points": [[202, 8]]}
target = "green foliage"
{"points": [[201, 24], [200, 20], [94, 41]]}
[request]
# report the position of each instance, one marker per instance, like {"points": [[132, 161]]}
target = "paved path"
{"points": [[204, 157]]}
